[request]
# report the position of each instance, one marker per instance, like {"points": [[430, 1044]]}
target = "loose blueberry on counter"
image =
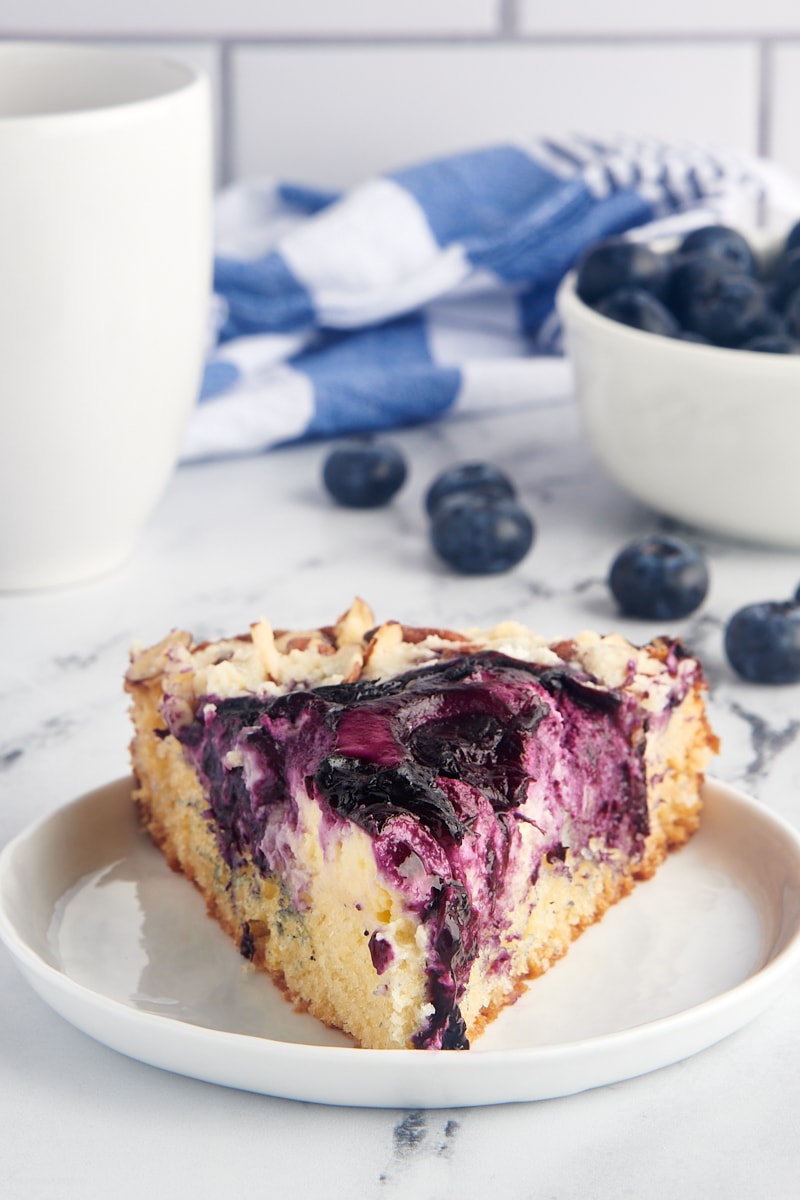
{"points": [[635, 307], [480, 477], [658, 578], [721, 242], [364, 474], [478, 535], [762, 642], [616, 263]]}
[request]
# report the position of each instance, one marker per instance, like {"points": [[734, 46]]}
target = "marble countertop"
{"points": [[234, 541]]}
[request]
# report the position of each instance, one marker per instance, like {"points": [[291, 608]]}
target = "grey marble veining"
{"points": [[234, 541]]}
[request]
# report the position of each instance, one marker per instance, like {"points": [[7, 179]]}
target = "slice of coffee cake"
{"points": [[404, 825]]}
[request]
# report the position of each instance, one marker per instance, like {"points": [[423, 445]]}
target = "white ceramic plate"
{"points": [[121, 947]]}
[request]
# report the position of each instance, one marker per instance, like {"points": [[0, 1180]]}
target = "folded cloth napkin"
{"points": [[431, 290]]}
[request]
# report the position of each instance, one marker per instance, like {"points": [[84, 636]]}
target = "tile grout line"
{"points": [[226, 116], [508, 19], [506, 33]]}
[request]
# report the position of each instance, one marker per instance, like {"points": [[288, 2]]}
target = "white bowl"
{"points": [[706, 435]]}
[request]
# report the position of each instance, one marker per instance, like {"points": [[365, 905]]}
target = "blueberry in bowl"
{"points": [[700, 432], [786, 278], [793, 238], [638, 308], [773, 343], [619, 263], [692, 279], [710, 285], [721, 242], [791, 315], [726, 306], [731, 312]]}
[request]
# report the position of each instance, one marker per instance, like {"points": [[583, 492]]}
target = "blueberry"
{"points": [[792, 315], [617, 263], [721, 242], [469, 477], [786, 277], [364, 474], [658, 578], [773, 343], [731, 311], [635, 307], [692, 276], [762, 642], [792, 239], [478, 535]]}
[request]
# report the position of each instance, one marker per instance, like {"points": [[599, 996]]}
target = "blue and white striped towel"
{"points": [[431, 290]]}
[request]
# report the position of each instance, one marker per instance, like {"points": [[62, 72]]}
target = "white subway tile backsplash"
{"points": [[682, 17], [250, 18], [785, 105], [332, 90], [335, 114]]}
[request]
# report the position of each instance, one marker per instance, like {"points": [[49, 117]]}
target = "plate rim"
{"points": [[749, 997]]}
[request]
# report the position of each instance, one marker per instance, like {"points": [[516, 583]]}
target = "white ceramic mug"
{"points": [[105, 269]]}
